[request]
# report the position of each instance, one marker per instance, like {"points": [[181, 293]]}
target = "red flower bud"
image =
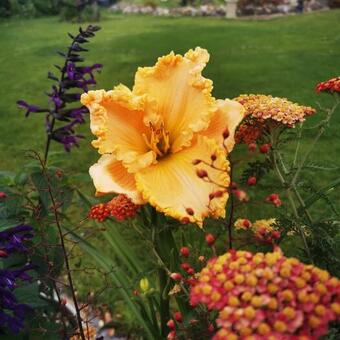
{"points": [[213, 157], [210, 239], [191, 271], [178, 317], [171, 335], [276, 234], [176, 276], [184, 251], [252, 147], [185, 266], [185, 220], [246, 223], [226, 134], [264, 148], [201, 173], [251, 180], [171, 324], [189, 211]]}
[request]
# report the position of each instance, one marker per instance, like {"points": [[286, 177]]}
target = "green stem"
{"points": [[316, 139], [288, 189]]}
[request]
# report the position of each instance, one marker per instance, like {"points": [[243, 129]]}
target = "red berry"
{"points": [[251, 180], [176, 276], [171, 324], [178, 317], [213, 157], [264, 148], [3, 194], [185, 251], [210, 239], [252, 147]]}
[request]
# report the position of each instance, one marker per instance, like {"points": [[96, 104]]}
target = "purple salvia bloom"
{"points": [[12, 313], [71, 77], [29, 108]]}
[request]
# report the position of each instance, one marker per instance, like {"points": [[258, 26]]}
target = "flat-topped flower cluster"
{"points": [[267, 296]]}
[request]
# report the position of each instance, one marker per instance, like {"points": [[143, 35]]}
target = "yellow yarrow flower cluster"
{"points": [[267, 296]]}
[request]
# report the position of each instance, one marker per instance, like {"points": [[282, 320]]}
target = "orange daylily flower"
{"points": [[150, 136]]}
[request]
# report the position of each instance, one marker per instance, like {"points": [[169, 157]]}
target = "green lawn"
{"points": [[283, 57]]}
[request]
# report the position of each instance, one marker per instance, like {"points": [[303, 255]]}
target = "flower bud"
{"points": [[176, 276], [171, 324], [251, 180], [178, 317], [144, 284], [201, 173], [210, 239], [264, 148], [252, 147], [185, 251]]}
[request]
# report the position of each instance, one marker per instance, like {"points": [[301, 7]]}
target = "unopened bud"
{"points": [[201, 173], [210, 239], [144, 284], [176, 276]]}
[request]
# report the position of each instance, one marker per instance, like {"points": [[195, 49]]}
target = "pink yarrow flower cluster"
{"points": [[267, 296], [280, 110]]}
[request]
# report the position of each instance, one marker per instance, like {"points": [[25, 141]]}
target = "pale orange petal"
{"points": [[172, 185], [110, 176], [179, 93], [117, 121], [229, 115]]}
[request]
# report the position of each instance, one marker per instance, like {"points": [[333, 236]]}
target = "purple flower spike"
{"points": [[71, 82], [12, 312]]}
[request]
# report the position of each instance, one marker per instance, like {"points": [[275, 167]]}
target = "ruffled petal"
{"points": [[117, 121], [173, 187], [182, 95], [227, 118], [110, 176]]}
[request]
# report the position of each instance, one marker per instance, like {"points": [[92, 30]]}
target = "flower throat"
{"points": [[158, 140]]}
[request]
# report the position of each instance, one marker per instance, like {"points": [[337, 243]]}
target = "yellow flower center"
{"points": [[158, 140]]}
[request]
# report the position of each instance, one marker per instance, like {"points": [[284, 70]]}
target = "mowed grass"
{"points": [[283, 57]]}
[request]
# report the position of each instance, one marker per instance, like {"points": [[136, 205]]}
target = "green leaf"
{"points": [[121, 249], [121, 281]]}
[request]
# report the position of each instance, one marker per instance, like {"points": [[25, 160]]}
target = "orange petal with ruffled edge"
{"points": [[226, 119], [172, 185], [117, 120], [110, 176], [182, 95]]}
